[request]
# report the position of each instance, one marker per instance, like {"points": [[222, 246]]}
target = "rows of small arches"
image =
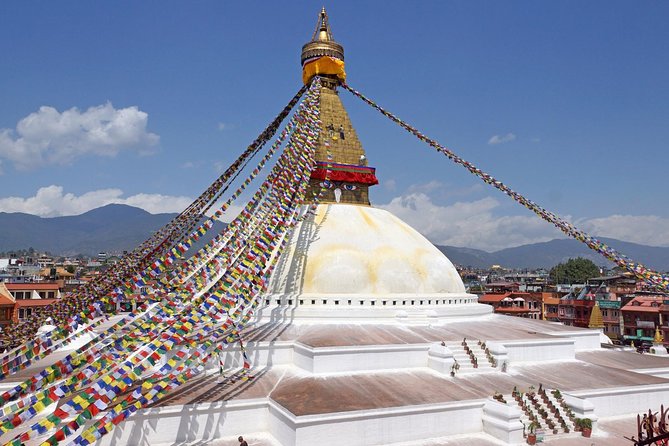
{"points": [[373, 302]]}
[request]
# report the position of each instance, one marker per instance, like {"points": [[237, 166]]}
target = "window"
{"points": [[51, 295], [42, 294], [301, 302]]}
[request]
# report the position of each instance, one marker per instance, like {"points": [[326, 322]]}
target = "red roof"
{"points": [[5, 297], [493, 297], [31, 286], [25, 303], [512, 310], [644, 304]]}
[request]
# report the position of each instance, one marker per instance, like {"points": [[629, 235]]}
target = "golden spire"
{"points": [[341, 174], [322, 43], [596, 320], [658, 336]]}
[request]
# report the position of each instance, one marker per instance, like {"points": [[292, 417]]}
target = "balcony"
{"points": [[645, 324]]}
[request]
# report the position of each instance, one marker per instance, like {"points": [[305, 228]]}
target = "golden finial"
{"points": [[322, 32], [658, 336], [322, 43]]}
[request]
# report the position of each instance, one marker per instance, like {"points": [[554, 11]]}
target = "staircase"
{"points": [[466, 361], [549, 412]]}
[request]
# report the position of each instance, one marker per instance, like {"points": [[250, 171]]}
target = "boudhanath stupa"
{"points": [[365, 335], [363, 323]]}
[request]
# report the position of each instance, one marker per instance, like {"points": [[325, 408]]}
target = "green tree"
{"points": [[576, 270]]}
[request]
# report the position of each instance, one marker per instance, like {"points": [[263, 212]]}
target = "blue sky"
{"points": [[145, 102]]}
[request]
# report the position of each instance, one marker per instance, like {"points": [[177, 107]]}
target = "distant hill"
{"points": [[117, 227], [548, 254], [111, 228]]}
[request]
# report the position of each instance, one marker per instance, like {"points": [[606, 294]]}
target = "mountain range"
{"points": [[111, 228], [116, 227], [549, 254]]}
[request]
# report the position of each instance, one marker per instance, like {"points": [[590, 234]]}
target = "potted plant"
{"points": [[532, 435], [586, 427]]}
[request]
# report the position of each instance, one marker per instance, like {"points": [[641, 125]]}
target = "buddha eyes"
{"points": [[329, 185]]}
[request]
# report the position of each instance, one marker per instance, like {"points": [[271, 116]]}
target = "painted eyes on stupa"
{"points": [[329, 185]]}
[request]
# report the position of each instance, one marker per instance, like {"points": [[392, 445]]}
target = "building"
{"points": [[508, 298], [7, 306], [611, 293], [643, 315], [551, 310], [29, 296], [515, 303]]}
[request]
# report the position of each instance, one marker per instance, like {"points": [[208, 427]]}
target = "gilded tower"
{"points": [[349, 175]]}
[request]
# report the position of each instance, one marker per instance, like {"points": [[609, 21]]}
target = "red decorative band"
{"points": [[345, 173]]}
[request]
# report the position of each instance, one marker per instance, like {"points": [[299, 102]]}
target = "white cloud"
{"points": [[645, 229], [48, 136], [469, 224], [477, 223], [188, 165], [390, 185], [426, 188], [501, 139], [50, 201], [441, 190]]}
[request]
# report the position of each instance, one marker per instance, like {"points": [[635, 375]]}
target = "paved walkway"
{"points": [[611, 432]]}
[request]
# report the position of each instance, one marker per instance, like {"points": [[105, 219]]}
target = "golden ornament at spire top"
{"points": [[322, 43]]}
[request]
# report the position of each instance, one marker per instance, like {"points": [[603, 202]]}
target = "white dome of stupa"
{"points": [[350, 257]]}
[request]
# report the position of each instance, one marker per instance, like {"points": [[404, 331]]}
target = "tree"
{"points": [[576, 270]]}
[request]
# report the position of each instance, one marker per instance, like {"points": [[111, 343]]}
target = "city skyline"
{"points": [[141, 105]]}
